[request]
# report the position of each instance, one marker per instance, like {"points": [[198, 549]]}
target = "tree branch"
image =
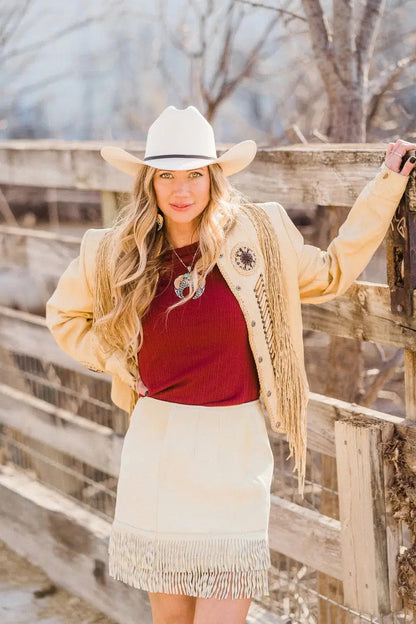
{"points": [[369, 26], [229, 85], [321, 40], [344, 50], [260, 5], [385, 372], [57, 35], [7, 34], [385, 83], [221, 72]]}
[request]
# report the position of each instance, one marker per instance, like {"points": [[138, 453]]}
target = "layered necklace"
{"points": [[184, 281]]}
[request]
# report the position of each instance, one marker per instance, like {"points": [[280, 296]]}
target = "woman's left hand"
{"points": [[394, 155]]}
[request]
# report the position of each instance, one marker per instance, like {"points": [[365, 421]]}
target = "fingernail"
{"points": [[412, 159]]}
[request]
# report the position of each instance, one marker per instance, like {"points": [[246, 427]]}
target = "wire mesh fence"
{"points": [[298, 593]]}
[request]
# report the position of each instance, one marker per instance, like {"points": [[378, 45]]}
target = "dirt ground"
{"points": [[28, 596]]}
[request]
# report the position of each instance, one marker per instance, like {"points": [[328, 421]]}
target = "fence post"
{"points": [[362, 515], [400, 255], [401, 275]]}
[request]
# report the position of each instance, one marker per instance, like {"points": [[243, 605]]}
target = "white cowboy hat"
{"points": [[181, 139]]}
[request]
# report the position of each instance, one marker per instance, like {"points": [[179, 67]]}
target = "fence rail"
{"points": [[54, 408]]}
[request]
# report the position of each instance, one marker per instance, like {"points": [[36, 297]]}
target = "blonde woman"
{"points": [[192, 301]]}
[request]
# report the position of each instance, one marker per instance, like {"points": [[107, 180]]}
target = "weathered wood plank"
{"points": [[63, 430], [407, 431], [324, 174], [393, 537], [76, 436], [410, 383], [362, 517], [305, 535], [68, 542], [25, 333], [36, 360], [362, 313], [44, 254], [324, 411]]}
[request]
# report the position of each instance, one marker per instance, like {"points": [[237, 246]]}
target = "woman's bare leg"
{"points": [[225, 610], [172, 608], [214, 610]]}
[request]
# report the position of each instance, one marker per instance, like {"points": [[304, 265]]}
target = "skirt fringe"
{"points": [[204, 566], [193, 501]]}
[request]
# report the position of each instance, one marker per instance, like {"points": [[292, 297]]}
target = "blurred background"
{"points": [[104, 69], [299, 77]]}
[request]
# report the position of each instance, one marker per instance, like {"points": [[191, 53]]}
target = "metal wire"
{"points": [[297, 592]]}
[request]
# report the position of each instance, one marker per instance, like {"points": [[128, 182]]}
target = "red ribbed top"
{"points": [[200, 354]]}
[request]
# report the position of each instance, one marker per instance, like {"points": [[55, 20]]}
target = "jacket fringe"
{"points": [[195, 566], [291, 386]]}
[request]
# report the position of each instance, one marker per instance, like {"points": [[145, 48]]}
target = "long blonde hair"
{"points": [[130, 258]]}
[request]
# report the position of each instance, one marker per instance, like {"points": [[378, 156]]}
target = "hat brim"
{"points": [[232, 161]]}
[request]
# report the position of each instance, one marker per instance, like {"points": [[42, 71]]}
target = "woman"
{"points": [[192, 301]]}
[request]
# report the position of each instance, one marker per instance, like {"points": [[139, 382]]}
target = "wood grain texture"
{"points": [[305, 535], [410, 383], [26, 333], [362, 313], [330, 174], [393, 537], [68, 542], [90, 442], [362, 517]]}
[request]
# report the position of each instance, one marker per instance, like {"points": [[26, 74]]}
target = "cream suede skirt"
{"points": [[193, 500]]}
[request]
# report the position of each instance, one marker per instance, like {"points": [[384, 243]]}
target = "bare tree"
{"points": [[16, 21], [343, 50], [207, 35], [365, 64], [343, 55]]}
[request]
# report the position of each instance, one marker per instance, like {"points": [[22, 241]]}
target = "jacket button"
{"points": [[268, 392], [238, 287], [385, 175], [260, 359], [221, 255], [253, 323]]}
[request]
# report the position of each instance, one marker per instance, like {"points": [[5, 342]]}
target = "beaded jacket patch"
{"points": [[243, 258]]}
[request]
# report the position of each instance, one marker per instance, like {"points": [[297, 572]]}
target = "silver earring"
{"points": [[159, 221]]}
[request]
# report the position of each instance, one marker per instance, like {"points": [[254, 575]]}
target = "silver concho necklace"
{"points": [[184, 281]]}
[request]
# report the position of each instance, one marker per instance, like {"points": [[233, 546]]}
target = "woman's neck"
{"points": [[181, 238], [180, 234]]}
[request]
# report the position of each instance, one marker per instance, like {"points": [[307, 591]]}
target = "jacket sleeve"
{"points": [[322, 275], [69, 310]]}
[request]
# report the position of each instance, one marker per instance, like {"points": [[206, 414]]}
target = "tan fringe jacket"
{"points": [[307, 274]]}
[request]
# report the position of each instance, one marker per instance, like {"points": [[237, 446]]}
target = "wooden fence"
{"points": [[362, 548]]}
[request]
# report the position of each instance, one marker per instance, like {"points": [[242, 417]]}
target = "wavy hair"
{"points": [[130, 258]]}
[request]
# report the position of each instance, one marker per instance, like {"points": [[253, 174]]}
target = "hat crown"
{"points": [[182, 132]]}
